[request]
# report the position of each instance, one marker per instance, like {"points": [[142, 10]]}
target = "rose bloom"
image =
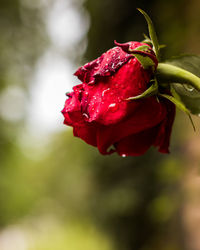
{"points": [[101, 115]]}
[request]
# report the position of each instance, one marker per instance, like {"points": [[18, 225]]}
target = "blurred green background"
{"points": [[56, 192]]}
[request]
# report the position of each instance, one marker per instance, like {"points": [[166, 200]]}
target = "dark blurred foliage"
{"points": [[119, 20]]}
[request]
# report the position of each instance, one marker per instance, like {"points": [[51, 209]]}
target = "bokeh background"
{"points": [[56, 192]]}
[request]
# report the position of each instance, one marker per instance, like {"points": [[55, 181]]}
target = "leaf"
{"points": [[152, 33], [179, 105], [188, 95]]}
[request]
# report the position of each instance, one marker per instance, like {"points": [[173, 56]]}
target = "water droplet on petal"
{"points": [[113, 107], [105, 91], [123, 155], [86, 115]]}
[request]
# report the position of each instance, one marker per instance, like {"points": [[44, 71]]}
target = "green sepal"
{"points": [[174, 93], [152, 33], [144, 56], [147, 40], [152, 90], [179, 105], [145, 61], [143, 48]]}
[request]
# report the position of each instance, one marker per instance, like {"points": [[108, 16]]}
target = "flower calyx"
{"points": [[143, 53]]}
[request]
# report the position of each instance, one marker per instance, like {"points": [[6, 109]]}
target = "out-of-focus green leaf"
{"points": [[188, 95]]}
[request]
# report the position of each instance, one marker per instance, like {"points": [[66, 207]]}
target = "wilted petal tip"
{"points": [[123, 46]]}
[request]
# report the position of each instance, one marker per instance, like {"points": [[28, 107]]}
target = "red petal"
{"points": [[164, 131], [137, 144], [148, 114], [74, 117], [105, 65], [72, 108], [106, 101], [87, 132]]}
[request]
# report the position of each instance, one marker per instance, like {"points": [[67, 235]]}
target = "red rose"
{"points": [[100, 114]]}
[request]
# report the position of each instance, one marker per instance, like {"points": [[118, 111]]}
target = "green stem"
{"points": [[168, 73]]}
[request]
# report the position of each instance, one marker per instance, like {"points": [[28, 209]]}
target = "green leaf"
{"points": [[152, 33], [179, 105], [188, 95]]}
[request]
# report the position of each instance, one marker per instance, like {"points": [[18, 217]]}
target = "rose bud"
{"points": [[100, 113]]}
